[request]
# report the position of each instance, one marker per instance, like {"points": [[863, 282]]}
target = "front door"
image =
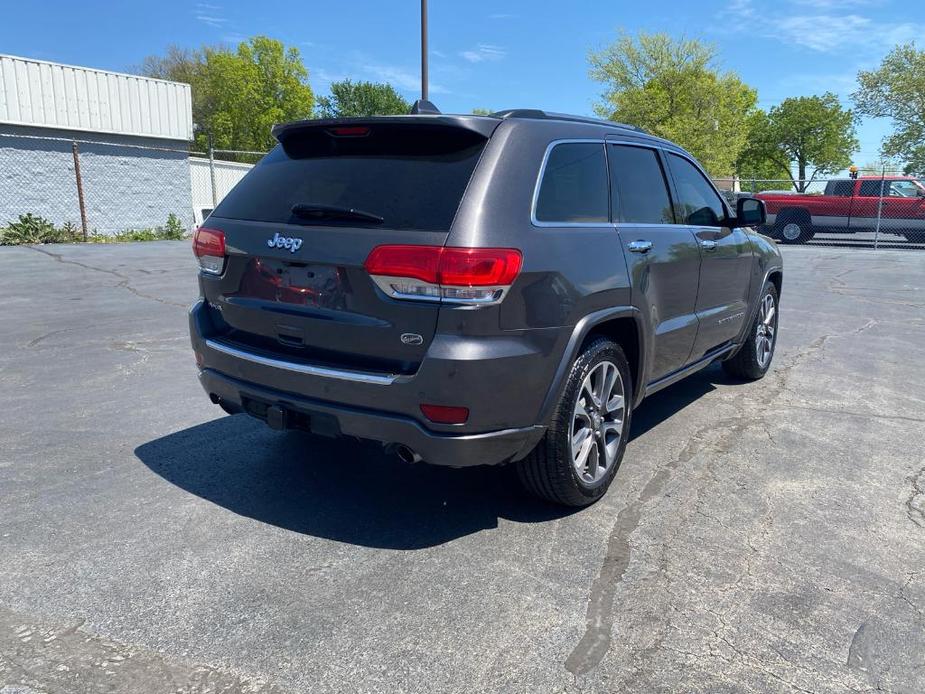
{"points": [[726, 257], [662, 257]]}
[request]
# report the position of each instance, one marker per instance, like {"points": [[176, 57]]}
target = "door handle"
{"points": [[708, 245], [639, 246]]}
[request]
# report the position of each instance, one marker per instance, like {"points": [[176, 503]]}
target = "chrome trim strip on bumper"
{"points": [[323, 371]]}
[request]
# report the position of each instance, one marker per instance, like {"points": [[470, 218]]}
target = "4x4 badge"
{"points": [[290, 242]]}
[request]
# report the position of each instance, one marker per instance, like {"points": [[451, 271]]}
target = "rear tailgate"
{"points": [[295, 286]]}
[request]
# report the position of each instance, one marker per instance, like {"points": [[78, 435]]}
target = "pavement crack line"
{"points": [[125, 282], [915, 503]]}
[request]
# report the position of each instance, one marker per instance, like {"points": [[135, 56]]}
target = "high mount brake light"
{"points": [[209, 249], [349, 131], [439, 273]]}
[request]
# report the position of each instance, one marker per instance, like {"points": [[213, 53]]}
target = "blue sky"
{"points": [[492, 54]]}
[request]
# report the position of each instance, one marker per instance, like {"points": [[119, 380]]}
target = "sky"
{"points": [[488, 54]]}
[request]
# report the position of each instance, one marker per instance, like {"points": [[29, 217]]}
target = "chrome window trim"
{"points": [[323, 371], [539, 182]]}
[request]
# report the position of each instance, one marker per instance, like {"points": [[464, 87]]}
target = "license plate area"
{"points": [[299, 284]]}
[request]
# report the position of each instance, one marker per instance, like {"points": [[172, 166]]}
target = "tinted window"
{"points": [[697, 203], [842, 188], [638, 187], [871, 189], [412, 176], [574, 186]]}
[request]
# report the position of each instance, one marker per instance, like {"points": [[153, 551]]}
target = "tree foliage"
{"points": [[239, 94], [358, 99], [896, 90], [802, 133], [673, 89]]}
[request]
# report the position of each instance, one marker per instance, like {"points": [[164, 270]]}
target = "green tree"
{"points": [[482, 112], [896, 90], [359, 99], [673, 89], [239, 95], [802, 133]]}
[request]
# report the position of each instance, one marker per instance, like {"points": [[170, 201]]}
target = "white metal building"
{"points": [[132, 136]]}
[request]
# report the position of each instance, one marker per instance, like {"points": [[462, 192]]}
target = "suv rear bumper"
{"points": [[336, 420], [335, 402]]}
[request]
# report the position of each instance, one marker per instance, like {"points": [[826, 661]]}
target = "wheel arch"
{"points": [[625, 326]]}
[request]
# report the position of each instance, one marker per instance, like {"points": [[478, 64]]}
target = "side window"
{"points": [[903, 189], [871, 189], [574, 185], [843, 189], [638, 190], [697, 203]]}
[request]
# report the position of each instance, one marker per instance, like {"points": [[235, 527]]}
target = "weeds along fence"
{"points": [[109, 187], [875, 209]]}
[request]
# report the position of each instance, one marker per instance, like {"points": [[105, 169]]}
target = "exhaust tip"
{"points": [[406, 455]]}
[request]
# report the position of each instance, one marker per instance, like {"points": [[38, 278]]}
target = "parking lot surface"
{"points": [[758, 537]]}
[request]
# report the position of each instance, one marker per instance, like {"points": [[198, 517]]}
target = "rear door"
{"points": [[294, 282], [726, 257], [662, 257]]}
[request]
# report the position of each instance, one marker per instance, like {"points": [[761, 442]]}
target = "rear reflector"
{"points": [[209, 248], [441, 414], [459, 275]]}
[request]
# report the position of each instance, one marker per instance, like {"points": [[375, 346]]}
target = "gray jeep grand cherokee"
{"points": [[474, 290]]}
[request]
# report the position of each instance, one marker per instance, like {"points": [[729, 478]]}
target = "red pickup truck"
{"points": [[848, 206]]}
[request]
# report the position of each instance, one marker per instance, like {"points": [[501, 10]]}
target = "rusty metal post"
{"points": [[80, 190], [212, 172], [880, 208]]}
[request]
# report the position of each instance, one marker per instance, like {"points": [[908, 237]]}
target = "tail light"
{"points": [[209, 249], [450, 274]]}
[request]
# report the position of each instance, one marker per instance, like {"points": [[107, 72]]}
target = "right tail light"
{"points": [[439, 273]]}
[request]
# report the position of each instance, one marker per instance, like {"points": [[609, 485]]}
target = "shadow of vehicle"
{"points": [[353, 491]]}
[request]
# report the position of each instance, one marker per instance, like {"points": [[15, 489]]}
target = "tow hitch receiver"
{"points": [[276, 417]]}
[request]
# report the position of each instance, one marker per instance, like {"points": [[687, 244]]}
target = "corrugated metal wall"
{"points": [[38, 93]]}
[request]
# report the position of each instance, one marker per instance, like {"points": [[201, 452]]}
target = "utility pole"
{"points": [[424, 50]]}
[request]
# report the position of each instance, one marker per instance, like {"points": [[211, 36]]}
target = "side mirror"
{"points": [[750, 212]]}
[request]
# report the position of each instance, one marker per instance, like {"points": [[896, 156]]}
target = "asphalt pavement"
{"points": [[759, 537]]}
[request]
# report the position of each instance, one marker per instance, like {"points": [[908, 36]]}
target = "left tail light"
{"points": [[209, 249], [444, 273]]}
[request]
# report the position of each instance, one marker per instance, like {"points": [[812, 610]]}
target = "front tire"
{"points": [[753, 359], [578, 457]]}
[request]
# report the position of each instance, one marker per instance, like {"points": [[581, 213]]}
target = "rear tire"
{"points": [[793, 227], [754, 357], [583, 447]]}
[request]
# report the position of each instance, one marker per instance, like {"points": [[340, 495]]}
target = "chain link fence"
{"points": [[97, 188], [872, 209]]}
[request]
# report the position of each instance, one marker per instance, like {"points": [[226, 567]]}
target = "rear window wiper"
{"points": [[313, 211]]}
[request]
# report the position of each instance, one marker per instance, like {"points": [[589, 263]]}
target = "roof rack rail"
{"points": [[547, 115]]}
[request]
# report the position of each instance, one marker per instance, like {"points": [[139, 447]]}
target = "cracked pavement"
{"points": [[758, 537]]}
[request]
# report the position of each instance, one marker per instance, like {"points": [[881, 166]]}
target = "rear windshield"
{"points": [[412, 176]]}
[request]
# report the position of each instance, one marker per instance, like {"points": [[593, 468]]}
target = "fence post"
{"points": [[879, 208], [212, 172], [80, 189]]}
